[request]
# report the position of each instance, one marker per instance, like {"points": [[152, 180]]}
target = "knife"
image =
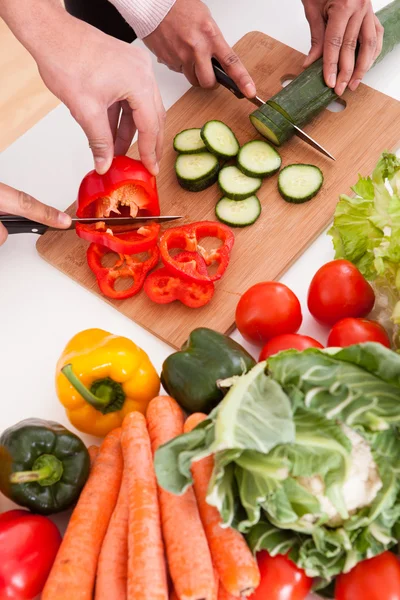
{"points": [[15, 224], [224, 79]]}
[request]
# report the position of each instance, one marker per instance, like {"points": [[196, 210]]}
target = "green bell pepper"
{"points": [[190, 376], [43, 466]]}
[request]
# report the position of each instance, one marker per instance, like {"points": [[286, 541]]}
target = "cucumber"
{"points": [[299, 183], [307, 95], [238, 213], [189, 141], [258, 159], [196, 172], [220, 139], [236, 185]]}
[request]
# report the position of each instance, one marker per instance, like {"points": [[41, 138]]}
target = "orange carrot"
{"points": [[224, 595], [147, 577], [93, 452], [188, 554], [236, 566], [112, 569], [173, 596], [74, 570]]}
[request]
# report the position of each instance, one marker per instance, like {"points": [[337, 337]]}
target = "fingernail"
{"points": [[156, 170], [250, 90], [332, 80], [100, 164], [354, 85], [64, 219], [340, 89]]}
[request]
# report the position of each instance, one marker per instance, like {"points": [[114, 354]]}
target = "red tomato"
{"points": [[28, 547], [267, 310], [375, 579], [356, 331], [281, 579], [338, 290], [288, 341]]}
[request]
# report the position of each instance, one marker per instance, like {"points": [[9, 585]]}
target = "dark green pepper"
{"points": [[43, 466], [191, 375]]}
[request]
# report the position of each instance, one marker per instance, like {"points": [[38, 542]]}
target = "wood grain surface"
{"points": [[356, 137]]}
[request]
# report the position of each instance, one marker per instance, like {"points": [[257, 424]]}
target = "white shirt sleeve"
{"points": [[144, 16]]}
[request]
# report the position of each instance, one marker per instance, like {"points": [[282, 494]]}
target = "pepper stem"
{"points": [[105, 395], [46, 470]]}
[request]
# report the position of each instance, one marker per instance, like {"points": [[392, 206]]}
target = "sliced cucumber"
{"points": [[299, 183], [196, 172], [258, 159], [238, 213], [236, 185], [189, 141], [220, 139]]}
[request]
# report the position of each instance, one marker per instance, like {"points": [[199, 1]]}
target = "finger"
{"points": [[189, 72], [317, 29], [94, 122], [3, 234], [113, 118], [161, 120], [203, 69], [379, 37], [146, 120], [335, 29], [347, 52], [232, 64], [368, 43], [15, 202], [126, 130]]}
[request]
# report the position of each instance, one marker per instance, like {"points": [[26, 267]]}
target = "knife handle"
{"points": [[22, 225], [224, 79]]}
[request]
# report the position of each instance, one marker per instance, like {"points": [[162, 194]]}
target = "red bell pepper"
{"points": [[28, 546], [163, 288], [122, 240], [187, 238], [127, 266]]}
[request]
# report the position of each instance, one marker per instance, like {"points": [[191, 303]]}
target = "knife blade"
{"points": [[16, 224], [224, 79]]}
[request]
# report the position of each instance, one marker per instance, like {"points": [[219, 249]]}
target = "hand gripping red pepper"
{"points": [[187, 238]]}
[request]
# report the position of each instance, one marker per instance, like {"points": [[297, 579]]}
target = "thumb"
{"points": [[96, 126], [317, 29]]}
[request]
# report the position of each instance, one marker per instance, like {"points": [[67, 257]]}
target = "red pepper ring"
{"points": [[126, 266], [125, 241], [187, 238], [164, 288]]}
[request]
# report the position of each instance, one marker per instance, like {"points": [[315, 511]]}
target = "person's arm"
{"points": [[108, 85], [16, 202], [336, 28], [144, 16]]}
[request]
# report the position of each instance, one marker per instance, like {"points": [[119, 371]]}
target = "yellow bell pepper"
{"points": [[102, 377]]}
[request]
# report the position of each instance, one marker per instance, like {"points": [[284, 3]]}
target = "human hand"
{"points": [[336, 27], [187, 39], [15, 202]]}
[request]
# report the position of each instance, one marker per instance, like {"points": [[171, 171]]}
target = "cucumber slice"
{"points": [[236, 185], [299, 183], [189, 141], [219, 139], [238, 213], [196, 172], [258, 159]]}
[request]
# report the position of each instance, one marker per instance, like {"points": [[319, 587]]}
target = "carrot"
{"points": [[93, 452], [235, 564], [74, 570], [188, 554], [224, 595], [173, 596], [147, 577], [113, 562]]}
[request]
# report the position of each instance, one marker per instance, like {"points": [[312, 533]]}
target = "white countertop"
{"points": [[41, 309]]}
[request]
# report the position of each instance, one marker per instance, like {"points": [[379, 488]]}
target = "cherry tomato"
{"points": [[377, 578], [288, 341], [338, 290], [266, 310], [281, 579], [356, 331]]}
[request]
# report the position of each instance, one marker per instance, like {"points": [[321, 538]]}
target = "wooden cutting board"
{"points": [[356, 137]]}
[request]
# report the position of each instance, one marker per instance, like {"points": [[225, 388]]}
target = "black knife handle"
{"points": [[22, 225], [225, 80]]}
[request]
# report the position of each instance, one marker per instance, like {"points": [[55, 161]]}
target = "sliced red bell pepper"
{"points": [[164, 288], [126, 266], [126, 188], [122, 240], [187, 238]]}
